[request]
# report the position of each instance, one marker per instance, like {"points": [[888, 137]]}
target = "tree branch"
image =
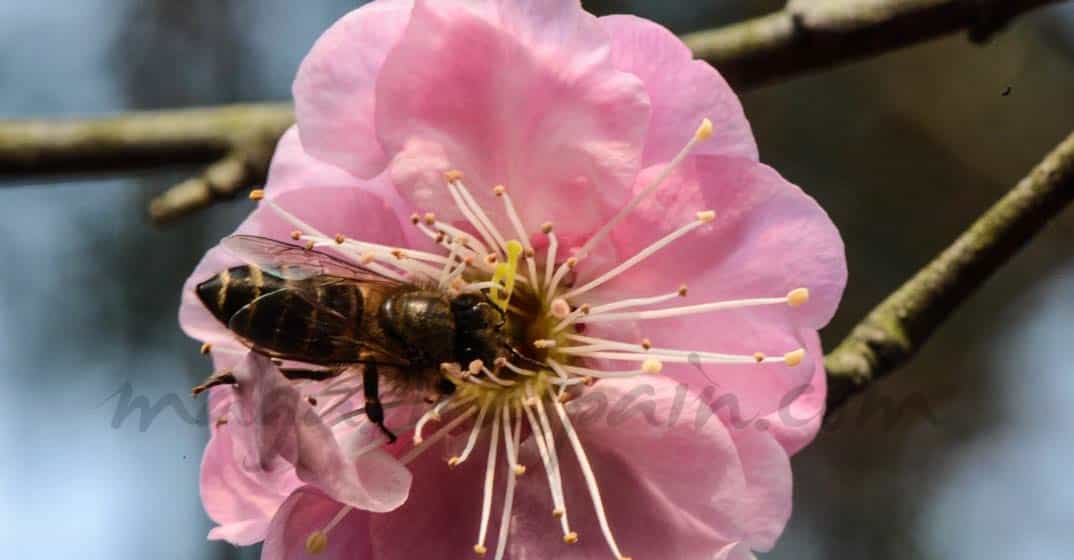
{"points": [[814, 34], [236, 142], [897, 328]]}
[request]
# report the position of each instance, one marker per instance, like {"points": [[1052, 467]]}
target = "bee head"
{"points": [[474, 312]]}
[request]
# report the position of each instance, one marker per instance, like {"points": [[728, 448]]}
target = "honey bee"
{"points": [[297, 304]]}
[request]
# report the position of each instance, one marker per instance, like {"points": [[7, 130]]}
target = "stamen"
{"points": [[702, 219], [487, 222], [490, 479], [590, 478], [795, 295], [559, 308], [432, 414], [602, 374], [417, 450], [550, 256], [572, 318], [511, 442], [703, 132], [561, 272], [521, 371], [472, 440], [454, 185], [551, 465], [317, 541], [520, 231], [638, 302], [792, 358], [495, 379]]}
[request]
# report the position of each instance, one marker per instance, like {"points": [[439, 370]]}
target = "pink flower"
{"points": [[603, 188]]}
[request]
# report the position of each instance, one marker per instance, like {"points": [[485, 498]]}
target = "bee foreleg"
{"points": [[373, 409], [218, 378]]}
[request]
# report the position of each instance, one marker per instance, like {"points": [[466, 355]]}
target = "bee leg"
{"points": [[444, 386], [373, 409], [220, 378]]}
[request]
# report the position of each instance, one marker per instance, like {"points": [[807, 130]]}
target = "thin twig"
{"points": [[897, 328], [814, 34]]}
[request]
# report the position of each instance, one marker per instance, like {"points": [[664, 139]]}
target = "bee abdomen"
{"points": [[229, 291]]}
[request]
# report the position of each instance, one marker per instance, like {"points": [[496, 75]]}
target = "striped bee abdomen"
{"points": [[230, 290], [308, 320]]}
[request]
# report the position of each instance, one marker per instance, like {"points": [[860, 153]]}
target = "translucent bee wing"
{"points": [[320, 328], [294, 262]]}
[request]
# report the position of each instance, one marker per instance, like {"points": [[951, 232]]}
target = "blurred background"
{"points": [[966, 452]]}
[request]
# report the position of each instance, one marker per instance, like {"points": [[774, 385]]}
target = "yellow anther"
{"points": [[475, 367], [454, 461], [798, 297], [706, 217], [558, 513], [546, 228], [646, 343], [429, 218], [520, 470], [415, 218], [453, 175], [309, 245], [480, 549], [296, 235], [257, 194], [682, 290], [543, 343], [498, 190], [340, 239], [758, 357], [316, 542], [206, 348], [367, 258], [652, 366], [794, 358], [570, 538], [704, 132]]}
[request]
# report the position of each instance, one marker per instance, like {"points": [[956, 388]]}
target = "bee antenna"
{"points": [[523, 358]]}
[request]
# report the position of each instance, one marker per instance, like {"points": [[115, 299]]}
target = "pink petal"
{"points": [[308, 510], [294, 169], [441, 518], [768, 238], [683, 91], [519, 94], [675, 482], [239, 493], [334, 89], [796, 423], [285, 424]]}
